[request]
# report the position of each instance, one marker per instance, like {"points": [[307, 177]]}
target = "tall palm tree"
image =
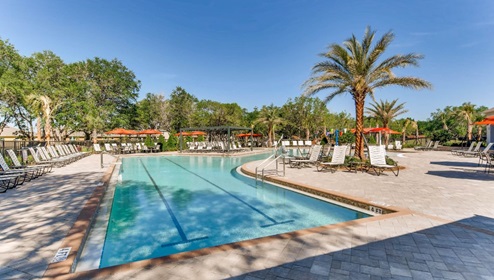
{"points": [[467, 112], [270, 116], [385, 112], [354, 68]]}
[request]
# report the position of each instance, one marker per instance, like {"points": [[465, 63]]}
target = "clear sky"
{"points": [[258, 52]]}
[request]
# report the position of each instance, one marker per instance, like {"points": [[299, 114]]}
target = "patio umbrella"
{"points": [[384, 130], [122, 131], [197, 133], [183, 134], [149, 131], [486, 121], [366, 130]]}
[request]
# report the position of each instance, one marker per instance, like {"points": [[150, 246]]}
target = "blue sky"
{"points": [[258, 52]]}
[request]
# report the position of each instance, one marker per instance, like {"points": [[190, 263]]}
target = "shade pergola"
{"points": [[218, 129]]}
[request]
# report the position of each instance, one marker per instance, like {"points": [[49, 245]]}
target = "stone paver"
{"points": [[448, 233], [36, 216]]}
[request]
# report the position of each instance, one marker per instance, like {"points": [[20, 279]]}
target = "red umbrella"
{"points": [[149, 131]]}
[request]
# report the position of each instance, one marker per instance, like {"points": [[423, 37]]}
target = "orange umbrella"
{"points": [[196, 133], [150, 131], [183, 134], [384, 130], [121, 131], [487, 120], [366, 130]]}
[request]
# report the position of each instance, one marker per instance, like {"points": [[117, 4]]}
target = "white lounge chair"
{"points": [[484, 153], [338, 159], [377, 155], [398, 145], [427, 146], [473, 152], [314, 156], [457, 151]]}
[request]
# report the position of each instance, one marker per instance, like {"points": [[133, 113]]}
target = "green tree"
{"points": [[270, 116], [152, 112], [354, 68], [182, 107], [45, 87], [108, 90], [10, 82]]}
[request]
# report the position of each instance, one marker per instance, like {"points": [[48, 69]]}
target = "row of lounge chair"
{"points": [[125, 148], [52, 156], [295, 143], [377, 157], [474, 150], [214, 146], [430, 146]]}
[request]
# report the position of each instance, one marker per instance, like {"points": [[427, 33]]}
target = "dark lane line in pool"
{"points": [[172, 215], [274, 222]]}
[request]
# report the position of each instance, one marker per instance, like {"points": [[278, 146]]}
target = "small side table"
{"points": [[356, 165]]}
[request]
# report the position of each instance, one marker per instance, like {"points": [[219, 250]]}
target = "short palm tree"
{"points": [[385, 112], [467, 112], [414, 125], [354, 68], [270, 116]]}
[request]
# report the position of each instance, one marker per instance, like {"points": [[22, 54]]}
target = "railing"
{"points": [[267, 162]]}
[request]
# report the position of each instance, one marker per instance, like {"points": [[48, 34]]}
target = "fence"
{"points": [[19, 145]]}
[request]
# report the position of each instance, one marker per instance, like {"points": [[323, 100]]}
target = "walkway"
{"points": [[446, 230]]}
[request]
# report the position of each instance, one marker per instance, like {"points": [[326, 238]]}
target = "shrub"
{"points": [[162, 141], [347, 137], [149, 142], [172, 143]]}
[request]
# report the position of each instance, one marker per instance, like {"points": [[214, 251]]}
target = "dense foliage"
{"points": [[49, 99]]}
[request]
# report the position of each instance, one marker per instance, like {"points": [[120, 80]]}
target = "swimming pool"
{"points": [[170, 204]]}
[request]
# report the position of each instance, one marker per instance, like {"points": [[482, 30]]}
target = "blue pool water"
{"points": [[170, 204]]}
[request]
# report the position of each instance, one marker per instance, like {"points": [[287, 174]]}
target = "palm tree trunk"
{"points": [[95, 136], [270, 136], [307, 133], [359, 126], [469, 129], [38, 129]]}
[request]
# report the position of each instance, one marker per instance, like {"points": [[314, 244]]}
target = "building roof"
{"points": [[10, 132], [489, 112]]}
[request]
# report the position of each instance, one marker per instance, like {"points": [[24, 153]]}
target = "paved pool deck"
{"points": [[444, 228]]}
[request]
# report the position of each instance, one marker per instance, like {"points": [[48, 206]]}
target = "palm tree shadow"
{"points": [[455, 163], [463, 174]]}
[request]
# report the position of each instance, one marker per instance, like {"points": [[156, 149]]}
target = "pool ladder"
{"points": [[261, 168]]}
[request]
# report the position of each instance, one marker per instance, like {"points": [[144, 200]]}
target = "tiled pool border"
{"points": [[79, 231]]}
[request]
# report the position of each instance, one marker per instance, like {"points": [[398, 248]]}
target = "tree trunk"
{"points": [[270, 135], [95, 136], [469, 130], [479, 133], [38, 129], [359, 125], [47, 126], [307, 133]]}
